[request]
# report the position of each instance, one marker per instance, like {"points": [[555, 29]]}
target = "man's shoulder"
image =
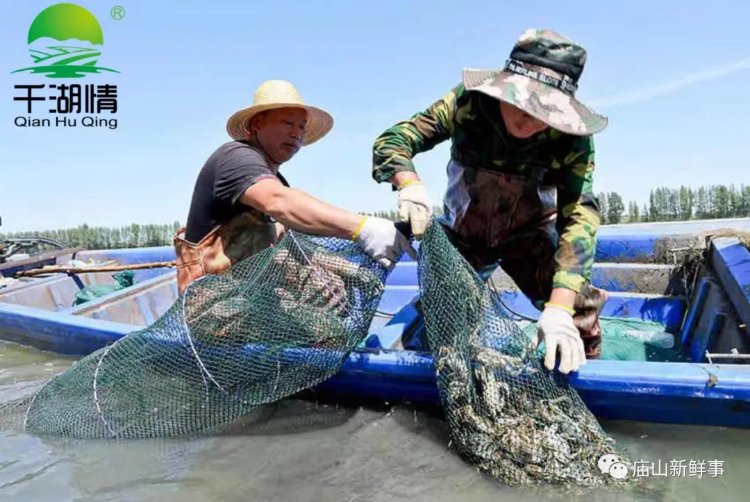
{"points": [[241, 149], [234, 156]]}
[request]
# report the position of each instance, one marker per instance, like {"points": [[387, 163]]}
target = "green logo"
{"points": [[65, 41]]}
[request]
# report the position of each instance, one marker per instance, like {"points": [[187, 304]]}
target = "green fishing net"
{"points": [[507, 414], [285, 319], [632, 340], [278, 322], [123, 280]]}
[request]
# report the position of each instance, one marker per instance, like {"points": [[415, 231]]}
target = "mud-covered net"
{"points": [[276, 323], [510, 416]]}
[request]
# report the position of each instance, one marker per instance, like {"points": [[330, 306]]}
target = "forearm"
{"points": [[577, 246], [577, 218], [402, 177], [298, 210], [564, 297], [394, 150]]}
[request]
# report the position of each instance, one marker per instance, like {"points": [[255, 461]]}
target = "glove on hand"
{"points": [[380, 239], [414, 206], [558, 331]]}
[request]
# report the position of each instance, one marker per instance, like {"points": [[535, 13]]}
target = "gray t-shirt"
{"points": [[228, 172]]}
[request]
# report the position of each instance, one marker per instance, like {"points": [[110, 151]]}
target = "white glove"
{"points": [[414, 206], [380, 239], [556, 328]]}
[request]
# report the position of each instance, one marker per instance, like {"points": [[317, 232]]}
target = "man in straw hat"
{"points": [[240, 192], [520, 183]]}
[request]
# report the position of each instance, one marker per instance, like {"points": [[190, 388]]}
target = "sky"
{"points": [[672, 76]]}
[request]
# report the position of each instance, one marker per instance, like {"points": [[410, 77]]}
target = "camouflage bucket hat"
{"points": [[541, 77]]}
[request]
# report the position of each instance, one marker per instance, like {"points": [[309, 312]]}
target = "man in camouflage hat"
{"points": [[520, 183]]}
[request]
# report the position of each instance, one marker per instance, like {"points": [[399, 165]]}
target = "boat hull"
{"points": [[685, 392]]}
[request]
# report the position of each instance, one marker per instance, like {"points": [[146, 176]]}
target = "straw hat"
{"points": [[541, 78], [273, 94]]}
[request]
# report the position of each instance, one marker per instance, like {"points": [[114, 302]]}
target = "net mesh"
{"points": [[278, 322], [510, 416], [285, 319]]}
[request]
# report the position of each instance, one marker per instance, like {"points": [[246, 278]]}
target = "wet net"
{"points": [[507, 414], [285, 320], [276, 323]]}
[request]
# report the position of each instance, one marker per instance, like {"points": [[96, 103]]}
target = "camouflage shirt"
{"points": [[556, 161]]}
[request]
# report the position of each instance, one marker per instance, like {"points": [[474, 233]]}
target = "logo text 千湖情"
{"points": [[65, 41]]}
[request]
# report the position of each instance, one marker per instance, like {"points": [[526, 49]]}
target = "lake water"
{"points": [[304, 451]]}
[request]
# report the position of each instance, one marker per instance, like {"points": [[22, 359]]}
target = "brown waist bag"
{"points": [[225, 245]]}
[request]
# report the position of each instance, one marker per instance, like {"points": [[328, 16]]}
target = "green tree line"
{"points": [[392, 214], [665, 204], [131, 236], [678, 204]]}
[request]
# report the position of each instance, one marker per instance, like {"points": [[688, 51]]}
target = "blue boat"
{"points": [[704, 377]]}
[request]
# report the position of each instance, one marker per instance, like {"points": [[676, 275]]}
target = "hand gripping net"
{"points": [[507, 414]]}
